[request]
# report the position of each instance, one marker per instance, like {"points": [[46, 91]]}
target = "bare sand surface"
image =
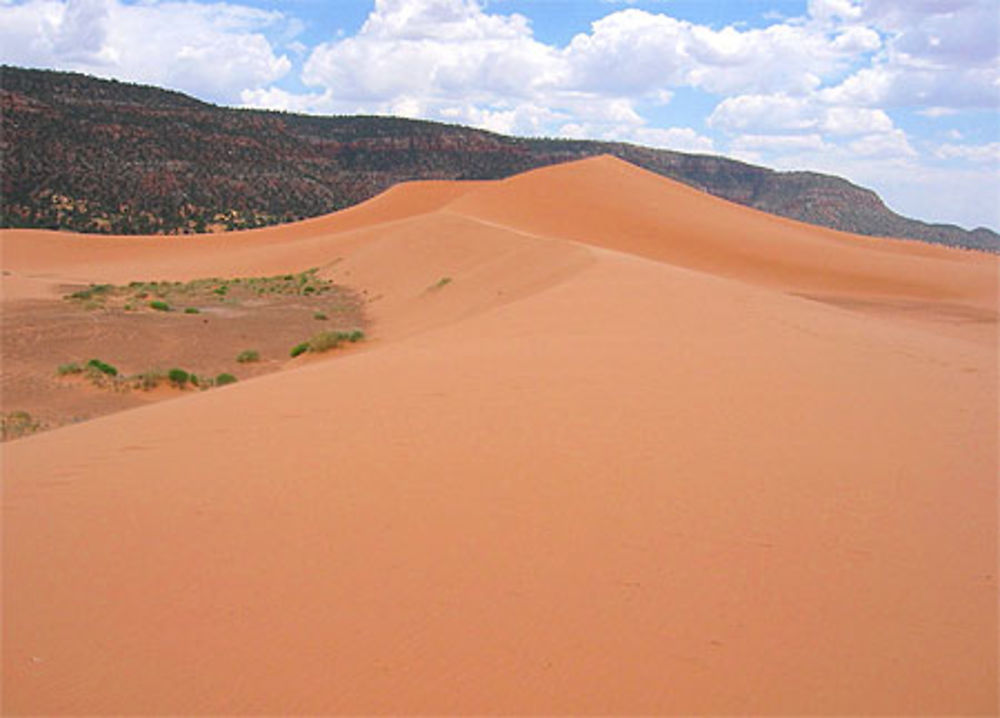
{"points": [[614, 446]]}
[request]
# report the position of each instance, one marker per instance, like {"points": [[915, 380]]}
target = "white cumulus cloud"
{"points": [[937, 53], [437, 49], [642, 51], [988, 153], [777, 114], [211, 50]]}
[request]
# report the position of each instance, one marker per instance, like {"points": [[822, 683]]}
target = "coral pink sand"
{"points": [[647, 452]]}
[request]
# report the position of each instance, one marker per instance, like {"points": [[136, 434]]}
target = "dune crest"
{"points": [[644, 451]]}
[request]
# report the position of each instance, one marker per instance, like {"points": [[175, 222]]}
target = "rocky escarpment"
{"points": [[101, 156]]}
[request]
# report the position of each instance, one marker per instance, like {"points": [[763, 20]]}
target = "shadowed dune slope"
{"points": [[618, 464]]}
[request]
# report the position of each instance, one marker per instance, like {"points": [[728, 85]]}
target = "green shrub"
{"points": [[224, 379], [319, 315], [299, 349], [92, 291], [355, 335], [71, 368], [248, 355], [178, 377], [159, 306], [102, 367], [192, 310]]}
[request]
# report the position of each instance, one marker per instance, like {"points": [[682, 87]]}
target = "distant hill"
{"points": [[102, 156]]}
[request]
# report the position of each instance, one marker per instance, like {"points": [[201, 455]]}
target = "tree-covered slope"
{"points": [[92, 155]]}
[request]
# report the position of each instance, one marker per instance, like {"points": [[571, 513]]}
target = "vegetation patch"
{"points": [[96, 365], [141, 324], [160, 295], [178, 377], [327, 340], [16, 424], [107, 376], [324, 341], [147, 380], [69, 369], [93, 292]]}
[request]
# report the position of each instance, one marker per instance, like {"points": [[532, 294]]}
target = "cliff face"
{"points": [[94, 155]]}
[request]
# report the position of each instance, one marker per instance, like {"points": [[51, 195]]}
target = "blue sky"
{"points": [[902, 96]]}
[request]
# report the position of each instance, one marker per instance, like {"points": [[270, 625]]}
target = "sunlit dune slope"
{"points": [[51, 255], [618, 463], [610, 203]]}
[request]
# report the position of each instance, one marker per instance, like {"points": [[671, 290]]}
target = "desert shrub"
{"points": [[159, 305], [178, 377], [94, 290], [327, 340], [248, 355], [71, 368], [443, 282], [223, 379], [147, 380], [18, 423], [324, 341], [192, 310], [319, 315], [102, 367]]}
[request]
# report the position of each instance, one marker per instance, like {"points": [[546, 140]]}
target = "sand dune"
{"points": [[645, 452]]}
